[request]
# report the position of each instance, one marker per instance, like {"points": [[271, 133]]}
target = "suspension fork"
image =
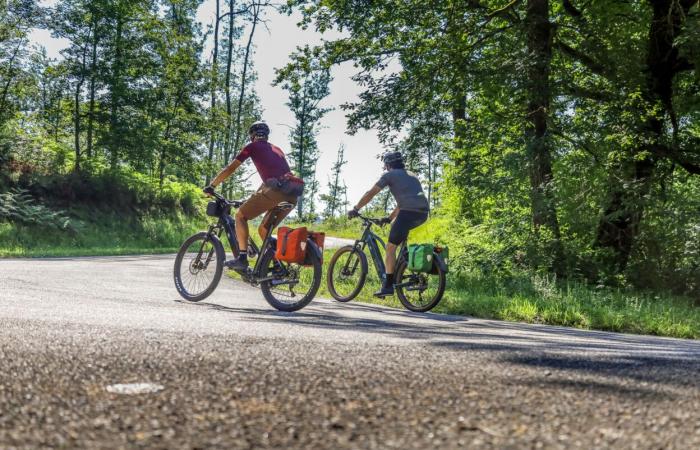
{"points": [[360, 247], [211, 252]]}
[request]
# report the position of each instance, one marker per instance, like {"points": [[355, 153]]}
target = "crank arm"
{"points": [[281, 282]]}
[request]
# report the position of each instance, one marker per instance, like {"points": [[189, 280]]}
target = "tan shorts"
{"points": [[264, 200]]}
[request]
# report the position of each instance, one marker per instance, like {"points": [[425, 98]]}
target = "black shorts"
{"points": [[405, 222]]}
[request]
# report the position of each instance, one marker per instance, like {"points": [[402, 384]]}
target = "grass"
{"points": [[536, 299], [105, 234]]}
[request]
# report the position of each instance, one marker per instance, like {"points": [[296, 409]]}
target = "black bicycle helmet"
{"points": [[259, 129], [392, 158]]}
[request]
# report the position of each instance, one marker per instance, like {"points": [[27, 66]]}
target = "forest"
{"points": [[556, 138]]}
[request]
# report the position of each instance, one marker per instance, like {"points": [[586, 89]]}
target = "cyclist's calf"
{"points": [[241, 230]]}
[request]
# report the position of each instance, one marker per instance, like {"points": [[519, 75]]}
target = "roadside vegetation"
{"points": [[100, 213]]}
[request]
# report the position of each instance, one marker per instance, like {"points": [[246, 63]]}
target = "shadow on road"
{"points": [[467, 334], [625, 362]]}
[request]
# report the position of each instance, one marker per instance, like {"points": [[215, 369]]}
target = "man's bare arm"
{"points": [[394, 213], [369, 195], [225, 173]]}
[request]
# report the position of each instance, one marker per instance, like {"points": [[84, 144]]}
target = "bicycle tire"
{"points": [[442, 283], [180, 284], [330, 282], [266, 286]]}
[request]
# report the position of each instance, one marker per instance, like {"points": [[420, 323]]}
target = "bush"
{"points": [[122, 190]]}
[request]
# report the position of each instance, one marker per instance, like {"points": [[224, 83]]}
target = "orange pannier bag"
{"points": [[291, 244]]}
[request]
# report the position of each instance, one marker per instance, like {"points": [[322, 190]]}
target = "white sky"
{"points": [[272, 51]]}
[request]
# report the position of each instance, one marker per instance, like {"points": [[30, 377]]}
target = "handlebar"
{"points": [[370, 220], [221, 198]]}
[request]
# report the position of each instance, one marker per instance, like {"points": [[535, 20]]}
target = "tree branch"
{"points": [[593, 65], [571, 9]]}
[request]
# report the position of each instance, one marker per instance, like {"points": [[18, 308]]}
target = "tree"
{"points": [[16, 18], [72, 20], [539, 45], [307, 86], [638, 86], [336, 199]]}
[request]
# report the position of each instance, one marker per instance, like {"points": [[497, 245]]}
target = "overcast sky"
{"points": [[273, 47]]}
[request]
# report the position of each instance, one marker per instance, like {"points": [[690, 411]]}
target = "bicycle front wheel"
{"points": [[198, 267], [418, 291], [289, 287], [347, 273]]}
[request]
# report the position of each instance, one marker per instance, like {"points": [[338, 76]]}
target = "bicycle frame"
{"points": [[372, 241]]}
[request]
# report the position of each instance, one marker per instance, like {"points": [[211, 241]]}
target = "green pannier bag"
{"points": [[420, 257]]}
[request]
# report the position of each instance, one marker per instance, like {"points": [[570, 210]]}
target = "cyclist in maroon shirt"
{"points": [[279, 185]]}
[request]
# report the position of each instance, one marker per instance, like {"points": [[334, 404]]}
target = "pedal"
{"points": [[246, 274]]}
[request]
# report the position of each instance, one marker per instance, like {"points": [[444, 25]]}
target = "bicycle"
{"points": [[347, 282], [200, 261]]}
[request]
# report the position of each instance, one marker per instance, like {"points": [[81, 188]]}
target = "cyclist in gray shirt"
{"points": [[411, 210]]}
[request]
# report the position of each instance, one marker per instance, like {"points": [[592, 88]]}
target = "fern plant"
{"points": [[17, 205]]}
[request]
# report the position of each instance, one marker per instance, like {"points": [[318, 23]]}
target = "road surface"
{"points": [[230, 372]]}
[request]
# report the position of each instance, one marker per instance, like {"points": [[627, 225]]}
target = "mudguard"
{"points": [[312, 247], [440, 262]]}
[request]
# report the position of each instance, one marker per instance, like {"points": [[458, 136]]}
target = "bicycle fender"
{"points": [[440, 261], [311, 245]]}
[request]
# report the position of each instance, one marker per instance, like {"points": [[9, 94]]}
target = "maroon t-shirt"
{"points": [[268, 159]]}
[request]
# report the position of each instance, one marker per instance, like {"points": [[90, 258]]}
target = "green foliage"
{"points": [[18, 206], [570, 139]]}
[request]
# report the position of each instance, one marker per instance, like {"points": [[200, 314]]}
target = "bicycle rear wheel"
{"points": [[292, 287], [418, 291], [198, 267]]}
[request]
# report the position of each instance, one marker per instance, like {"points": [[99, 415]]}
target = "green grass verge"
{"points": [[104, 234], [535, 299], [541, 300]]}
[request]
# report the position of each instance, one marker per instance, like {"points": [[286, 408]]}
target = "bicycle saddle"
{"points": [[284, 206]]}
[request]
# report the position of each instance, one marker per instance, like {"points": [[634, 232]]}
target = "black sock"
{"points": [[389, 279], [243, 256]]}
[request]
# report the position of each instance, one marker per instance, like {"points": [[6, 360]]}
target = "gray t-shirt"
{"points": [[406, 189]]}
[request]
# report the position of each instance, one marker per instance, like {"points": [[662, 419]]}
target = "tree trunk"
{"points": [[214, 86], [93, 76], [116, 88], [300, 158], [163, 153], [459, 120], [539, 44], [76, 119], [246, 58], [618, 228], [430, 176], [227, 138]]}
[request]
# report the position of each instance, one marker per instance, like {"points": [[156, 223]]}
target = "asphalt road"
{"points": [[233, 373]]}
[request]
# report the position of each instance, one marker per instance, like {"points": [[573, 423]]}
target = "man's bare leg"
{"points": [[390, 265], [242, 232], [390, 258]]}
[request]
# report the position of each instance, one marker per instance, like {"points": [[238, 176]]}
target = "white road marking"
{"points": [[134, 388]]}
